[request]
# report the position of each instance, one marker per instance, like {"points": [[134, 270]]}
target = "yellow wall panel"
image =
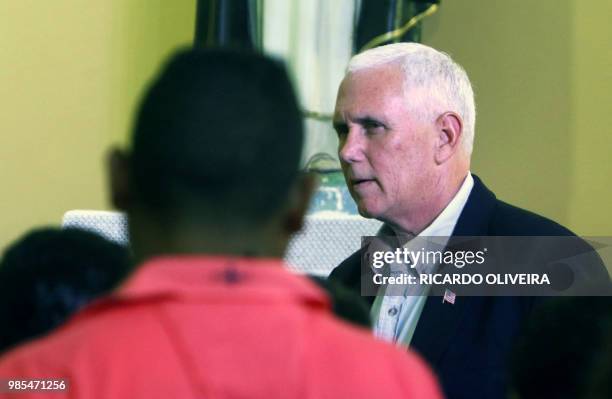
{"points": [[543, 75], [518, 61], [591, 194], [69, 76]]}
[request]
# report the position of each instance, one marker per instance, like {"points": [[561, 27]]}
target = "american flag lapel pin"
{"points": [[449, 296]]}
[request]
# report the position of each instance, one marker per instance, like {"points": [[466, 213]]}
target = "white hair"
{"points": [[444, 84]]}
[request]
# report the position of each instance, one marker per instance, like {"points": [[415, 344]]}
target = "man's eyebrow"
{"points": [[369, 121], [365, 121]]}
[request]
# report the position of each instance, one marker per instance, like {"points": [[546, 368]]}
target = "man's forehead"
{"points": [[369, 92], [390, 73]]}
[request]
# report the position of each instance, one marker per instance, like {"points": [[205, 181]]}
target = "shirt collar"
{"points": [[442, 226], [444, 223], [203, 278]]}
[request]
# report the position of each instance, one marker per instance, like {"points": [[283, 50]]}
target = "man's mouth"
{"points": [[360, 182]]}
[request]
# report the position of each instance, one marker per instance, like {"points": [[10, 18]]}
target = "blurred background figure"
{"points": [[49, 274], [600, 382], [562, 348], [345, 303]]}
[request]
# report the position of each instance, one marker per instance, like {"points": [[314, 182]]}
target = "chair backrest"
{"points": [[110, 225], [326, 239]]}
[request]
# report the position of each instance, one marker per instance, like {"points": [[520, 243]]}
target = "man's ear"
{"points": [[450, 130], [119, 179], [299, 201]]}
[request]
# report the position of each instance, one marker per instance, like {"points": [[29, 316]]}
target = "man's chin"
{"points": [[366, 212]]}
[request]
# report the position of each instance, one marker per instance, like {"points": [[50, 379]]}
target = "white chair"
{"points": [[326, 239], [110, 225]]}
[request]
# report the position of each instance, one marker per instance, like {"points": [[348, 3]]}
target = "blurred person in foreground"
{"points": [[49, 274], [405, 118], [212, 192]]}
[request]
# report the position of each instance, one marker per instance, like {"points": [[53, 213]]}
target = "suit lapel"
{"points": [[439, 321]]}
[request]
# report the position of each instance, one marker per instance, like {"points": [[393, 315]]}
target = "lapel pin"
{"points": [[449, 296]]}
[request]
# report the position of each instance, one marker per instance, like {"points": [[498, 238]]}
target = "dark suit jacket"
{"points": [[468, 343]]}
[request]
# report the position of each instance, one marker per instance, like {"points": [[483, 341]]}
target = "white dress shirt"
{"points": [[395, 317]]}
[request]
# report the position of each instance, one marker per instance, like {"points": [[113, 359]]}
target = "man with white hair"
{"points": [[405, 119]]}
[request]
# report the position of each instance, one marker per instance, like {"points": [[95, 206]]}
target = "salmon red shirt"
{"points": [[216, 327]]}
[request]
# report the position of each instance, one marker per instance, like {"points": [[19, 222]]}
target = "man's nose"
{"points": [[350, 149]]}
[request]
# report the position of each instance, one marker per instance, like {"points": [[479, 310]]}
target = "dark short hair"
{"points": [[218, 129], [49, 274]]}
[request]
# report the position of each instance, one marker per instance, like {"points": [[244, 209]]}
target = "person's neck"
{"points": [[418, 220], [243, 242]]}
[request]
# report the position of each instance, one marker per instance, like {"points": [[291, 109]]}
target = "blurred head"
{"points": [[405, 122], [216, 146], [49, 274]]}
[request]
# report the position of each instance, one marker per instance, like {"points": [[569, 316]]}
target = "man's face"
{"points": [[386, 151]]}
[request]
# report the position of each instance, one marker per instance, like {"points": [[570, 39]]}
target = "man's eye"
{"points": [[374, 127], [341, 130]]}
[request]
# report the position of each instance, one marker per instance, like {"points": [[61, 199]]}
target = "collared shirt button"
{"points": [[392, 311]]}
